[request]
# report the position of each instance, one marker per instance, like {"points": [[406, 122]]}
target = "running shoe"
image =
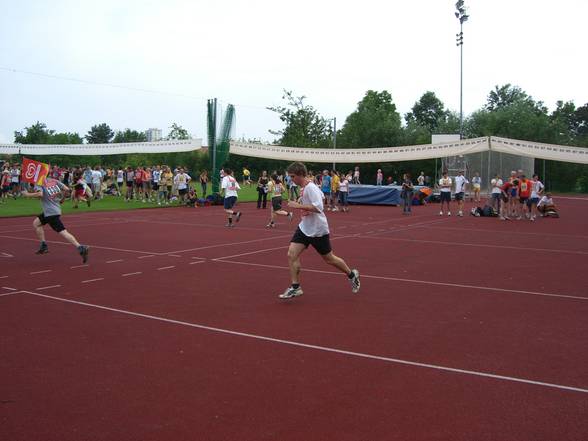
{"points": [[43, 249], [290, 216], [237, 216], [84, 252], [355, 282], [291, 292]]}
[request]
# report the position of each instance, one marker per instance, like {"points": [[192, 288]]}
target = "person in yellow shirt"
{"points": [[335, 184], [246, 176]]}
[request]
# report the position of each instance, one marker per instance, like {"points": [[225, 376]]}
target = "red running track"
{"points": [[465, 329]]}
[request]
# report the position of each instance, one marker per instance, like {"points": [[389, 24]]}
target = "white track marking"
{"points": [[114, 261], [424, 282], [3, 277], [132, 274], [40, 272], [194, 263], [92, 280], [165, 267], [10, 289], [229, 244], [503, 232], [90, 245], [8, 294], [322, 348], [145, 257], [79, 266], [174, 255], [6, 255], [72, 224], [465, 244], [47, 287]]}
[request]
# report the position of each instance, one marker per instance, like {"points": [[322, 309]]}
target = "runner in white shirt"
{"points": [[460, 185], [477, 184], [229, 187], [312, 230], [536, 192], [445, 192]]}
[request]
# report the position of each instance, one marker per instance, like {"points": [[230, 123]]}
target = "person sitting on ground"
{"points": [[191, 198], [546, 206]]}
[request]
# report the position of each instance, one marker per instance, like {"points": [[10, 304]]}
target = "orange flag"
{"points": [[34, 172]]}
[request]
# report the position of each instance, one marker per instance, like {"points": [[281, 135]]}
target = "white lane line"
{"points": [[11, 289], [146, 257], [8, 294], [323, 348], [132, 274], [424, 282], [194, 263], [114, 261], [480, 245], [165, 267], [230, 244], [78, 266], [40, 272], [47, 287], [174, 255], [92, 280], [4, 277]]}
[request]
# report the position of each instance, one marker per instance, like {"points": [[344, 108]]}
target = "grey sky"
{"points": [[246, 52]]}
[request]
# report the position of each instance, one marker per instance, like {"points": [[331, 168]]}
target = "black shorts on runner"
{"points": [[182, 191], [322, 243], [523, 200], [459, 196], [277, 203], [53, 221], [229, 202], [155, 186], [445, 196]]}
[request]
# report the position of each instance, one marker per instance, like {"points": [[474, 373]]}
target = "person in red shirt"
{"points": [[509, 193], [139, 183], [524, 189]]}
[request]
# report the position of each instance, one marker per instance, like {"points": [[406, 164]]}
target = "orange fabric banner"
{"points": [[34, 172]]}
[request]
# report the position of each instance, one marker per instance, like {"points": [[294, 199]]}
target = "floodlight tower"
{"points": [[462, 16]]}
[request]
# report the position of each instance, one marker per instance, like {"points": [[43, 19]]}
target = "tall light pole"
{"points": [[462, 16]]}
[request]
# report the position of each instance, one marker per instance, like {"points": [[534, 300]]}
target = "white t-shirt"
{"points": [[477, 181], [96, 177], [344, 185], [460, 182], [545, 201], [181, 180], [496, 184], [313, 224], [421, 180], [230, 185], [445, 181], [537, 187], [120, 176]]}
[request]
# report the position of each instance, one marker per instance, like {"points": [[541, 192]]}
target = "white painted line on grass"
{"points": [[424, 282], [79, 266], [114, 261], [132, 274], [92, 280], [165, 267], [40, 272], [323, 348], [47, 287]]}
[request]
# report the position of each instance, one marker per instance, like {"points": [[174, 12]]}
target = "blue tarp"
{"points": [[376, 194]]}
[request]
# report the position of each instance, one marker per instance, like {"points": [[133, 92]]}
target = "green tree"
{"points": [[35, 134], [427, 112], [375, 123], [128, 135], [100, 134], [305, 127], [178, 132]]}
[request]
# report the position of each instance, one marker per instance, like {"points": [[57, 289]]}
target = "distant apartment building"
{"points": [[153, 135]]}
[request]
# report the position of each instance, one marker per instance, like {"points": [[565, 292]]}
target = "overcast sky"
{"points": [[247, 52]]}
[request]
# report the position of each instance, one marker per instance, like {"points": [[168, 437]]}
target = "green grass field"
{"points": [[30, 207]]}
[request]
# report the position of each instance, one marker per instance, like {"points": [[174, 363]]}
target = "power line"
{"points": [[118, 86]]}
